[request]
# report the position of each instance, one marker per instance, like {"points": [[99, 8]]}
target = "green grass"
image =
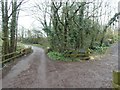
{"points": [[20, 46], [38, 42], [39, 45], [43, 45], [0, 46], [100, 50], [56, 56]]}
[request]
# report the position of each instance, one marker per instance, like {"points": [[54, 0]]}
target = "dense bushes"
{"points": [[71, 28]]}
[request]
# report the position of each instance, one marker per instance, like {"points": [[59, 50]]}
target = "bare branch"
{"points": [[15, 9], [57, 8], [72, 4], [79, 9]]}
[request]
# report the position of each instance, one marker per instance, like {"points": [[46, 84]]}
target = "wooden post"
{"points": [[116, 80]]}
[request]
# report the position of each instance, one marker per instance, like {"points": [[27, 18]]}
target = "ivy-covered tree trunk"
{"points": [[66, 29], [81, 23], [5, 45], [13, 27], [57, 31], [16, 30]]}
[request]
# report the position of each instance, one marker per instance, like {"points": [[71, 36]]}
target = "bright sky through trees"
{"points": [[26, 19]]}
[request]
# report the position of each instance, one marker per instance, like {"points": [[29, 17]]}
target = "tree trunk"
{"points": [[13, 27], [5, 45]]}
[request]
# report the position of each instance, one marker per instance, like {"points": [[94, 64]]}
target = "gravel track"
{"points": [[37, 71]]}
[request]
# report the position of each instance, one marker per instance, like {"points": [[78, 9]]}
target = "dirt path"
{"points": [[29, 72], [37, 71]]}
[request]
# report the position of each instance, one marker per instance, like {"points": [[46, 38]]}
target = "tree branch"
{"points": [[15, 9], [79, 9]]}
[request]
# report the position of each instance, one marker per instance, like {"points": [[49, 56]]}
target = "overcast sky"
{"points": [[26, 20]]}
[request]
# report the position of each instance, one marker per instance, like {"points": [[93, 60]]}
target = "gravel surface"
{"points": [[37, 71]]}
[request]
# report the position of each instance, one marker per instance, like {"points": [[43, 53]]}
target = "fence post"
{"points": [[116, 80]]}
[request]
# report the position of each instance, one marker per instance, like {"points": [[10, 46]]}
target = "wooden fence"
{"points": [[15, 55]]}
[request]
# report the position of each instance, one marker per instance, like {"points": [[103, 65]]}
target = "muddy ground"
{"points": [[37, 71]]}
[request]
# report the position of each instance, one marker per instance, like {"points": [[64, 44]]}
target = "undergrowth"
{"points": [[59, 56]]}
